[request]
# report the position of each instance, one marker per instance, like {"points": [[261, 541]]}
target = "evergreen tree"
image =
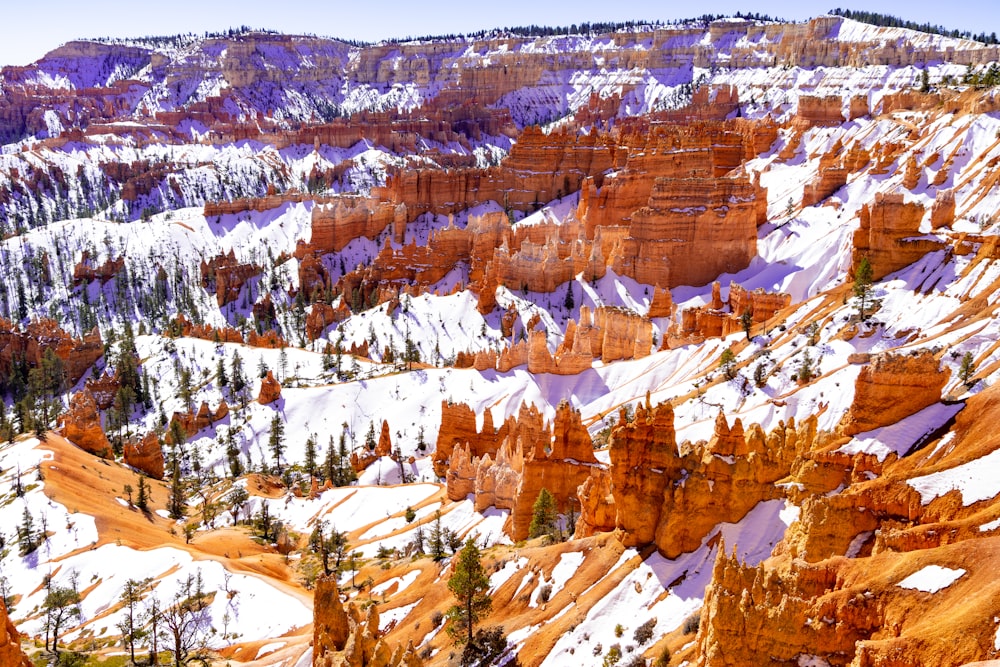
{"points": [[220, 373], [276, 441], [727, 363], [62, 603], [233, 453], [967, 370], [310, 462], [142, 495], [470, 586], [28, 538], [746, 321], [862, 285], [131, 626], [237, 500], [436, 541], [175, 503], [543, 516]]}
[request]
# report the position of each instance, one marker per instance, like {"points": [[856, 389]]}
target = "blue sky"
{"points": [[28, 30]]}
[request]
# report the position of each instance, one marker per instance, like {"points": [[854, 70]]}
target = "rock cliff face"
{"points": [[531, 457], [754, 614], [889, 235], [226, 276], [30, 344], [808, 599], [10, 642], [892, 387], [672, 497]]}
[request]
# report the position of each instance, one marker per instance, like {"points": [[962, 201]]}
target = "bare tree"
{"points": [[186, 621]]}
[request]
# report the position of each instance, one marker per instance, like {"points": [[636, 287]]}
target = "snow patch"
{"points": [[931, 579]]}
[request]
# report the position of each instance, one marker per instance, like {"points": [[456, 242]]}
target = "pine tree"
{"points": [[862, 285], [142, 495], [131, 627], [62, 603], [727, 363], [175, 503], [437, 538], [233, 453], [543, 515], [470, 586], [276, 441], [746, 321], [220, 373], [26, 535], [310, 462], [237, 500], [237, 377], [967, 370]]}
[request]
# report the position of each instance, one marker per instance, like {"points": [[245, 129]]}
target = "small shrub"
{"points": [[619, 630], [644, 632], [544, 592], [692, 623], [436, 618], [613, 656]]}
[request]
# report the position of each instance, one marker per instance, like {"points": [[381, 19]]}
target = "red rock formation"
{"points": [[831, 176], [227, 276], [559, 465], [330, 624], [364, 644], [712, 321], [272, 341], [597, 504], [76, 355], [891, 387], [146, 455], [815, 111], [270, 390], [722, 479], [345, 218], [194, 421], [943, 210], [84, 271], [384, 446], [103, 389], [508, 468], [691, 231], [322, 315], [889, 235], [215, 209], [81, 425], [661, 305], [739, 631], [458, 427], [10, 642], [206, 331], [491, 483]]}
